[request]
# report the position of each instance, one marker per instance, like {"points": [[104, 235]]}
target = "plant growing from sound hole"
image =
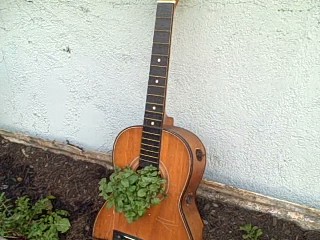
{"points": [[133, 192], [251, 232], [23, 220]]}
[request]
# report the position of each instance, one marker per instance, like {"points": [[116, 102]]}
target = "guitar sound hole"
{"points": [[117, 235]]}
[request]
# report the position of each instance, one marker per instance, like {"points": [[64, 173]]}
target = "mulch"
{"points": [[26, 170]]}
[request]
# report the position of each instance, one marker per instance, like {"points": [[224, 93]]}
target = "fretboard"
{"points": [[157, 87]]}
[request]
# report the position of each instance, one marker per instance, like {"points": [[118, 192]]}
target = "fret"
{"points": [[158, 66], [157, 104], [164, 17], [143, 163], [153, 116], [168, 1], [155, 90], [151, 143], [158, 30], [152, 123], [165, 10], [155, 65], [153, 112], [153, 140], [159, 60], [158, 71], [151, 136], [162, 49], [162, 36], [155, 42], [145, 140], [154, 107], [151, 119], [153, 130], [154, 134], [149, 146], [157, 86], [149, 161], [148, 156], [146, 153], [160, 55], [149, 150], [158, 78], [155, 95]]}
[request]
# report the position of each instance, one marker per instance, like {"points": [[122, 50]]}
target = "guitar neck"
{"points": [[157, 85]]}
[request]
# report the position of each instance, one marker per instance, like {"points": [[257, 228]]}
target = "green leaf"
{"points": [[141, 212], [32, 221], [155, 201], [119, 203], [125, 182], [251, 232], [142, 192], [63, 225], [132, 188], [143, 184], [133, 179], [133, 192], [154, 174], [108, 188], [154, 187]]}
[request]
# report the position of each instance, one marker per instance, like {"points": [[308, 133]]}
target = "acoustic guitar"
{"points": [[176, 152]]}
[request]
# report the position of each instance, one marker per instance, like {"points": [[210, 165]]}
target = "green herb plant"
{"points": [[26, 221], [133, 192], [251, 232]]}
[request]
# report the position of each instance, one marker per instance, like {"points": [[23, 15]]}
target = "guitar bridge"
{"points": [[117, 235]]}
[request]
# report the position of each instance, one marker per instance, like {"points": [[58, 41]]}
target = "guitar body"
{"points": [[182, 163], [177, 153]]}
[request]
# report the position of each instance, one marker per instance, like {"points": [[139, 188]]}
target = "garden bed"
{"points": [[31, 171]]}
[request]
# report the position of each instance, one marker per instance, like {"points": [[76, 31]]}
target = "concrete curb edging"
{"points": [[308, 218], [59, 148]]}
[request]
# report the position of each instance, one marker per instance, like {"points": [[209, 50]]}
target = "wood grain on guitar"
{"points": [[178, 154]]}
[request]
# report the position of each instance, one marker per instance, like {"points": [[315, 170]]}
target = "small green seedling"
{"points": [[251, 232], [133, 192], [26, 221]]}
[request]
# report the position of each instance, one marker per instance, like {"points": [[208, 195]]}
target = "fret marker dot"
{"points": [[157, 81], [159, 59], [152, 123], [154, 108]]}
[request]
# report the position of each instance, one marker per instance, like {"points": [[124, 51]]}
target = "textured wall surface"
{"points": [[245, 77]]}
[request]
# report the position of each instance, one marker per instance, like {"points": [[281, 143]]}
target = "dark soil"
{"points": [[37, 173]]}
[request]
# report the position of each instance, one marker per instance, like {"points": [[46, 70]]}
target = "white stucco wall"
{"points": [[244, 77]]}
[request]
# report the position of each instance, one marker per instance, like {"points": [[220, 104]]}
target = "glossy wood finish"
{"points": [[177, 216]]}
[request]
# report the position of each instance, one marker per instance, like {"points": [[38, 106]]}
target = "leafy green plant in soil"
{"points": [[251, 232], [23, 220], [133, 192]]}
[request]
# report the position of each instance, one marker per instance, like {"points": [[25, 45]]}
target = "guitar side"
{"points": [[177, 216]]}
